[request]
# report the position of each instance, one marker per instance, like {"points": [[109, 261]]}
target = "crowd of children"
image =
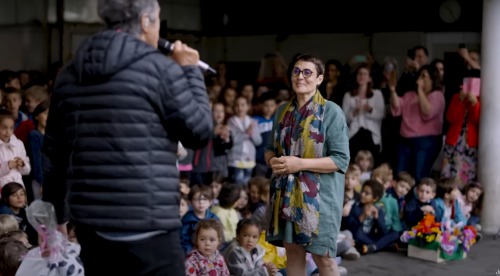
{"points": [[385, 207], [225, 186]]}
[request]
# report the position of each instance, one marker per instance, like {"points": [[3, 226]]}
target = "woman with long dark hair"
{"points": [[332, 88], [364, 111], [422, 122]]}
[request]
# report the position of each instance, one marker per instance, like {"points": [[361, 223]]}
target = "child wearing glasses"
{"points": [[200, 197]]}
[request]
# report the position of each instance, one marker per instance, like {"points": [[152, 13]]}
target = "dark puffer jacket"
{"points": [[117, 113]]}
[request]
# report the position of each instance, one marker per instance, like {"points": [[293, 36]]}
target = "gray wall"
{"points": [[24, 46]]}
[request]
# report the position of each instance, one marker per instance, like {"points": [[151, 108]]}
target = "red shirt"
{"points": [[24, 127], [455, 116]]}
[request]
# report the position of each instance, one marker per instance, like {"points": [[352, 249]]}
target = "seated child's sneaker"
{"points": [[478, 227], [351, 254], [478, 237]]}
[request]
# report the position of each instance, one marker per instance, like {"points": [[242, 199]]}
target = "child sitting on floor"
{"points": [[17, 235], [184, 206], [404, 184], [422, 204], [471, 200], [352, 183], [447, 207], [367, 223], [244, 256], [388, 204], [8, 224], [200, 197], [226, 210], [11, 253], [364, 160], [205, 259]]}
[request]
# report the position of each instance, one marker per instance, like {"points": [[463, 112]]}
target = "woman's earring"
{"points": [[146, 22]]}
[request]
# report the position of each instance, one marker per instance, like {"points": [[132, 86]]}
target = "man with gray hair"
{"points": [[118, 111]]}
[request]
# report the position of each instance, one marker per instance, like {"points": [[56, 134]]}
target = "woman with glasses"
{"points": [[308, 153], [421, 125], [364, 111]]}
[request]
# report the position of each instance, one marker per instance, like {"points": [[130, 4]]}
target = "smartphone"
{"points": [[411, 54], [361, 58], [461, 46]]}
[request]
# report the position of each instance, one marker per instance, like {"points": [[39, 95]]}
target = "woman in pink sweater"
{"points": [[422, 121]]}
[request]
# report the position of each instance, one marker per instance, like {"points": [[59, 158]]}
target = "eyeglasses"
{"points": [[366, 193], [306, 72], [200, 199]]}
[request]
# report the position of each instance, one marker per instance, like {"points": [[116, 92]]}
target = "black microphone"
{"points": [[168, 47]]}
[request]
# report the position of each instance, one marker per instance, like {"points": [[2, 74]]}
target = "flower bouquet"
{"points": [[56, 255], [438, 242]]}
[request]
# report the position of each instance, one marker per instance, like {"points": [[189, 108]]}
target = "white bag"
{"points": [[63, 259], [68, 263]]}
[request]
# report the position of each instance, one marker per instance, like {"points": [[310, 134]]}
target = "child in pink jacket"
{"points": [[13, 160]]}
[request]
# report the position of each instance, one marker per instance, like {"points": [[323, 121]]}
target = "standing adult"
{"points": [[333, 88], [309, 153], [422, 122], [417, 58], [460, 149], [364, 111], [109, 156]]}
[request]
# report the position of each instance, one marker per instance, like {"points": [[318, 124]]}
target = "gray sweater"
{"points": [[243, 144]]}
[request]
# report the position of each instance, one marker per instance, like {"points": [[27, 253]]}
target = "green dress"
{"points": [[332, 185]]}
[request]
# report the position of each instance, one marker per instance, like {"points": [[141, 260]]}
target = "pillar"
{"points": [[489, 131]]}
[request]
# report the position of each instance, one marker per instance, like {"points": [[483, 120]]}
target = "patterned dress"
{"points": [[460, 160], [198, 265], [332, 188]]}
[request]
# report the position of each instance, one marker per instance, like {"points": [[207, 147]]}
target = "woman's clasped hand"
{"points": [[286, 164]]}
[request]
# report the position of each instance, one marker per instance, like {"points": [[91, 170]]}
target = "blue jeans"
{"points": [[416, 155], [380, 242], [473, 220], [241, 176]]}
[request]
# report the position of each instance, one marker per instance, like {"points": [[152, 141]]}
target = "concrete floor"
{"points": [[483, 259]]}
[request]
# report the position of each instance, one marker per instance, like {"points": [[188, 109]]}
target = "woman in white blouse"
{"points": [[364, 110]]}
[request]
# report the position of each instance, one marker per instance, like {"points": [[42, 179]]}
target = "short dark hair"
{"points": [[268, 96], [420, 47], [11, 251], [428, 182], [204, 190], [126, 14], [184, 197], [320, 67], [406, 177], [8, 189], [262, 185], [247, 222], [4, 114], [434, 75], [446, 186], [377, 188], [209, 224], [44, 106], [229, 194], [334, 62]]}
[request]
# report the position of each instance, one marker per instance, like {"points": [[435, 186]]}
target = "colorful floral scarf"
{"points": [[295, 197]]}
